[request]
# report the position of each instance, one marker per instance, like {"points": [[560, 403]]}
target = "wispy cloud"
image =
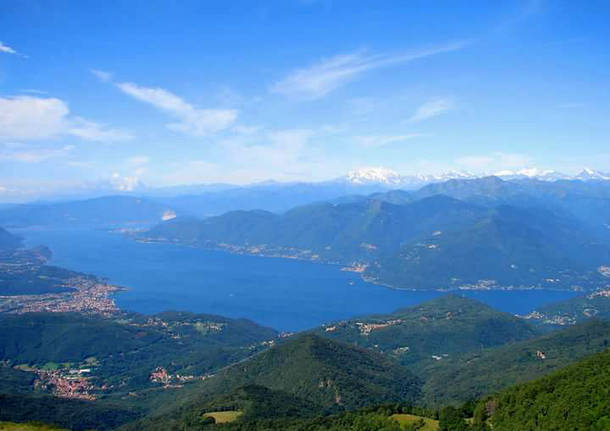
{"points": [[102, 75], [18, 152], [431, 108], [31, 118], [9, 50], [91, 131], [376, 141], [191, 120], [125, 183], [329, 74], [288, 154]]}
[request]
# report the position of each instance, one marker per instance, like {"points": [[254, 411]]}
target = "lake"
{"points": [[285, 294]]}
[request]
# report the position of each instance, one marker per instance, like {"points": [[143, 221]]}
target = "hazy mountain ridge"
{"points": [[481, 233], [107, 210]]}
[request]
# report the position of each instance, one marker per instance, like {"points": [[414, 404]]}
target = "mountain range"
{"points": [[217, 198], [475, 234], [462, 233]]}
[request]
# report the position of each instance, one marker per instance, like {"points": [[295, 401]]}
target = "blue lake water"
{"points": [[285, 294]]}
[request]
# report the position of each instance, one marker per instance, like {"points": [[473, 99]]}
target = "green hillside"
{"points": [[508, 247], [474, 375], [335, 232], [573, 310], [259, 402], [75, 415], [325, 372], [442, 327], [125, 349], [574, 398], [313, 371]]}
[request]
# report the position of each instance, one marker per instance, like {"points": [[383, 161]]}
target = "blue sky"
{"points": [[173, 92]]}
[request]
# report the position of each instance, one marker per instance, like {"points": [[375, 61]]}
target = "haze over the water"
{"points": [[206, 92]]}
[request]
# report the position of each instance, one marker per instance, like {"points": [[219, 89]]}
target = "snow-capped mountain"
{"points": [[389, 178], [376, 175], [532, 173], [589, 174], [384, 177], [550, 175]]}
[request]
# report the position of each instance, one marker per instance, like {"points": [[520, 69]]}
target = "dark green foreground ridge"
{"points": [[574, 398]]}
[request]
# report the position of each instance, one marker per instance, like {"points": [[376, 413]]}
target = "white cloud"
{"points": [[91, 131], [27, 117], [125, 183], [17, 152], [36, 118], [191, 120], [284, 155], [329, 74], [102, 75], [375, 141], [432, 108], [8, 50]]}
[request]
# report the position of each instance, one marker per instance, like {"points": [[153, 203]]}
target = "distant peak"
{"points": [[591, 174], [374, 175], [532, 173]]}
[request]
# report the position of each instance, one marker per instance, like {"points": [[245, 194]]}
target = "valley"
{"points": [[361, 355]]}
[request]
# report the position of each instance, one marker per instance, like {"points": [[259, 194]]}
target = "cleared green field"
{"points": [[224, 417], [11, 426], [405, 419]]}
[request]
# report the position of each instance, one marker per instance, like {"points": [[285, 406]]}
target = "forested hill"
{"points": [[335, 231], [124, 349], [475, 374], [574, 398], [325, 372], [436, 242], [441, 328], [574, 310], [326, 375]]}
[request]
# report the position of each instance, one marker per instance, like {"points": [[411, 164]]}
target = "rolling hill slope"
{"points": [[325, 372], [128, 348], [448, 325], [474, 375], [322, 373]]}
